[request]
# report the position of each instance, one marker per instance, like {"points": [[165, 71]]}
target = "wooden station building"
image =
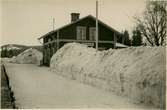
{"points": [[82, 31]]}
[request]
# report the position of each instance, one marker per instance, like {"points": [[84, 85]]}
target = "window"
{"points": [[81, 33], [92, 33]]}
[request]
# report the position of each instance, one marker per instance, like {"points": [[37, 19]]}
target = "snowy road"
{"points": [[37, 87]]}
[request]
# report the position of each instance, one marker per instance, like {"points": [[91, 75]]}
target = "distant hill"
{"points": [[17, 46], [10, 50]]}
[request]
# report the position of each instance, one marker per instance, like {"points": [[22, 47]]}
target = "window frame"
{"points": [[82, 34]]}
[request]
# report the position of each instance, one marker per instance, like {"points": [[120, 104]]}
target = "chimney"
{"points": [[74, 17]]}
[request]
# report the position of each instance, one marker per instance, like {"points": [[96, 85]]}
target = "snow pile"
{"points": [[138, 73], [29, 56]]}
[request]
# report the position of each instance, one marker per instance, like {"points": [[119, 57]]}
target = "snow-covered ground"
{"points": [[38, 87], [136, 72], [8, 60]]}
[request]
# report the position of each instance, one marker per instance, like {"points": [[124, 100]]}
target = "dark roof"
{"points": [[90, 16]]}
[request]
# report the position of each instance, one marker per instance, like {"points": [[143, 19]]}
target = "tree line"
{"points": [[9, 53]]}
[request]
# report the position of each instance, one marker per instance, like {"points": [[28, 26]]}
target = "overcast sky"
{"points": [[23, 21]]}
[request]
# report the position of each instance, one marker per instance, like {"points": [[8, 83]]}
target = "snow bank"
{"points": [[138, 73], [29, 56]]}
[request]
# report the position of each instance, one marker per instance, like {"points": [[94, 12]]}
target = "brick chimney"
{"points": [[74, 17]]}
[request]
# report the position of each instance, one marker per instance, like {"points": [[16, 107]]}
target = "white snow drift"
{"points": [[29, 56], [138, 73]]}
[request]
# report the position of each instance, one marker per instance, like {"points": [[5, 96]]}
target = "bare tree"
{"points": [[153, 23]]}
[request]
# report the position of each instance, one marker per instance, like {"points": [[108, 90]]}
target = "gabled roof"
{"points": [[90, 16]]}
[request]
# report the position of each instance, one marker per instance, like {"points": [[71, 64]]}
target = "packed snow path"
{"points": [[37, 87]]}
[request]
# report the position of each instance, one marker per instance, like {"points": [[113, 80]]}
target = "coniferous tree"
{"points": [[136, 38], [127, 40]]}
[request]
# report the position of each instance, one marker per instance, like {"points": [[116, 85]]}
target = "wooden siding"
{"points": [[69, 32]]}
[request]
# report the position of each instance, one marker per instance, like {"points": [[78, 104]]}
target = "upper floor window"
{"points": [[81, 33], [92, 33]]}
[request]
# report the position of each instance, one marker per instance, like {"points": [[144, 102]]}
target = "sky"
{"points": [[23, 21]]}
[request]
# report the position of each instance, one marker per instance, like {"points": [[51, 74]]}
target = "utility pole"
{"points": [[53, 23], [97, 25], [115, 40], [57, 40], [57, 35]]}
